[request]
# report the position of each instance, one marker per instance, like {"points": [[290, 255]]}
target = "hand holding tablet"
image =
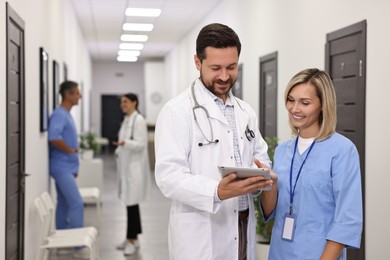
{"points": [[244, 172]]}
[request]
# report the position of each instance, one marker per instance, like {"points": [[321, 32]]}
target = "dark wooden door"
{"points": [[345, 61], [15, 161], [112, 117], [237, 88], [268, 95]]}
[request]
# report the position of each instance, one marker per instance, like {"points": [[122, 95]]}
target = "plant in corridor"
{"points": [[264, 230], [87, 141]]}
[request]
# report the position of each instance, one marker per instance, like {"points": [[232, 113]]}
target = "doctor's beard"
{"points": [[211, 85]]}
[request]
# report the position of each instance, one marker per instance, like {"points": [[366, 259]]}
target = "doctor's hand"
{"points": [[230, 186], [118, 143]]}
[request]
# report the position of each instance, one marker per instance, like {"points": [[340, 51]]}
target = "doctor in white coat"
{"points": [[133, 168], [211, 217]]}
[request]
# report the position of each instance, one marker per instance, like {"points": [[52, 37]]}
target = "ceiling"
{"points": [[101, 22]]}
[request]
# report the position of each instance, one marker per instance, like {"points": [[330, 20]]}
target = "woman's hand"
{"points": [[269, 198], [119, 143], [274, 177]]}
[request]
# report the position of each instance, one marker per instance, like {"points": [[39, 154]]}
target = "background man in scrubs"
{"points": [[64, 159]]}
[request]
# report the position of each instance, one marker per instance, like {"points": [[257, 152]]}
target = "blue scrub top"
{"points": [[327, 201], [61, 126]]}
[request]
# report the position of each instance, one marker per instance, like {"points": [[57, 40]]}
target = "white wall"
{"points": [[155, 86], [52, 25], [297, 29], [106, 82]]}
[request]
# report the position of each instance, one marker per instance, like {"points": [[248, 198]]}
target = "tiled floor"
{"points": [[154, 217]]}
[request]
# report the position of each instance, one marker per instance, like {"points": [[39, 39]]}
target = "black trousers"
{"points": [[133, 222], [242, 233]]}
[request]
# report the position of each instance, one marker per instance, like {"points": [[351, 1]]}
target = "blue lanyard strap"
{"points": [[292, 190]]}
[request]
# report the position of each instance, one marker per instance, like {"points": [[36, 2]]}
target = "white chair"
{"points": [[49, 205], [49, 242], [91, 195], [91, 173]]}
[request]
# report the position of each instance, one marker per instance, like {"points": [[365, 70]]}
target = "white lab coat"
{"points": [[187, 173], [133, 160]]}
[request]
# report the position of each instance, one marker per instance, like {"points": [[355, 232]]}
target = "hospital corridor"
{"points": [[112, 230], [208, 82]]}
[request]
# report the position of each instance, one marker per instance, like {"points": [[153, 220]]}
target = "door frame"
{"points": [[13, 17], [262, 98], [360, 27]]}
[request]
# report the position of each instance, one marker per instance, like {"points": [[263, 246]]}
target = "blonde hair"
{"points": [[325, 92]]}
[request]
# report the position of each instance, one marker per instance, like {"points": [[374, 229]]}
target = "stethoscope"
{"points": [[248, 133]]}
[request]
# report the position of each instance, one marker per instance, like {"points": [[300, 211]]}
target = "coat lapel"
{"points": [[206, 100], [242, 120]]}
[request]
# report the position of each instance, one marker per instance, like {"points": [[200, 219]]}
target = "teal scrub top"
{"points": [[327, 200], [61, 126]]}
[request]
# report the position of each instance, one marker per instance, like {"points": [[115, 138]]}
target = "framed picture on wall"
{"points": [[81, 104], [44, 89], [65, 72], [56, 84]]}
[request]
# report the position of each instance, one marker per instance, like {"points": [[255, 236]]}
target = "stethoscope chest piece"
{"points": [[249, 133]]}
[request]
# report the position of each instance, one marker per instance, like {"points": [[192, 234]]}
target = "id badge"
{"points": [[289, 227]]}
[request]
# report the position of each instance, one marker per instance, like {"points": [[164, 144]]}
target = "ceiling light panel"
{"points": [[134, 38], [127, 58], [144, 27], [144, 12], [131, 46], [128, 53]]}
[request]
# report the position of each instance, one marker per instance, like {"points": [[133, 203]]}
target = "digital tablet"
{"points": [[245, 172]]}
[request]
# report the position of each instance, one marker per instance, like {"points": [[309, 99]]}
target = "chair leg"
{"points": [[98, 211]]}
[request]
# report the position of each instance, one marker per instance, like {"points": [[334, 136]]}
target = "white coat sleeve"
{"points": [[173, 140]]}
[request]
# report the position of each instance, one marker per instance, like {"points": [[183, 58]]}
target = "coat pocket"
{"points": [[191, 235]]}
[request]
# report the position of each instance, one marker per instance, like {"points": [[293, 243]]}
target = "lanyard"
{"points": [[292, 190]]}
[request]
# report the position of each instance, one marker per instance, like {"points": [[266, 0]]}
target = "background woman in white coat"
{"points": [[133, 168]]}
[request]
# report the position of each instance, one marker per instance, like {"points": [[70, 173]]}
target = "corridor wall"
{"points": [[115, 78], [297, 30], [51, 24]]}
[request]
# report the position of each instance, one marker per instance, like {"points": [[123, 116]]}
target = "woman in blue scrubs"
{"points": [[317, 199]]}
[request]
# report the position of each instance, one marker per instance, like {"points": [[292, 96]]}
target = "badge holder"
{"points": [[289, 227]]}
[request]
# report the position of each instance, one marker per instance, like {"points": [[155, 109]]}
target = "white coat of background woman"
{"points": [[133, 168]]}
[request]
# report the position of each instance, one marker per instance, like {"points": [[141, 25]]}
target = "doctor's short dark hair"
{"points": [[132, 97], [323, 84], [67, 86], [218, 36]]}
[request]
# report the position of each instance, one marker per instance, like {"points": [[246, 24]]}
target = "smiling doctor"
{"points": [[202, 128]]}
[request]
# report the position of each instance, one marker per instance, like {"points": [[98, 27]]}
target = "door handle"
{"points": [[24, 174]]}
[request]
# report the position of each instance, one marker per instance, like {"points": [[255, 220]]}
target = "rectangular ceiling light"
{"points": [[134, 38], [145, 12], [128, 53], [139, 27], [131, 46], [127, 58]]}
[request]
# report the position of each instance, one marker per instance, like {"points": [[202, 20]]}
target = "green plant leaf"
{"points": [[264, 230], [88, 141]]}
